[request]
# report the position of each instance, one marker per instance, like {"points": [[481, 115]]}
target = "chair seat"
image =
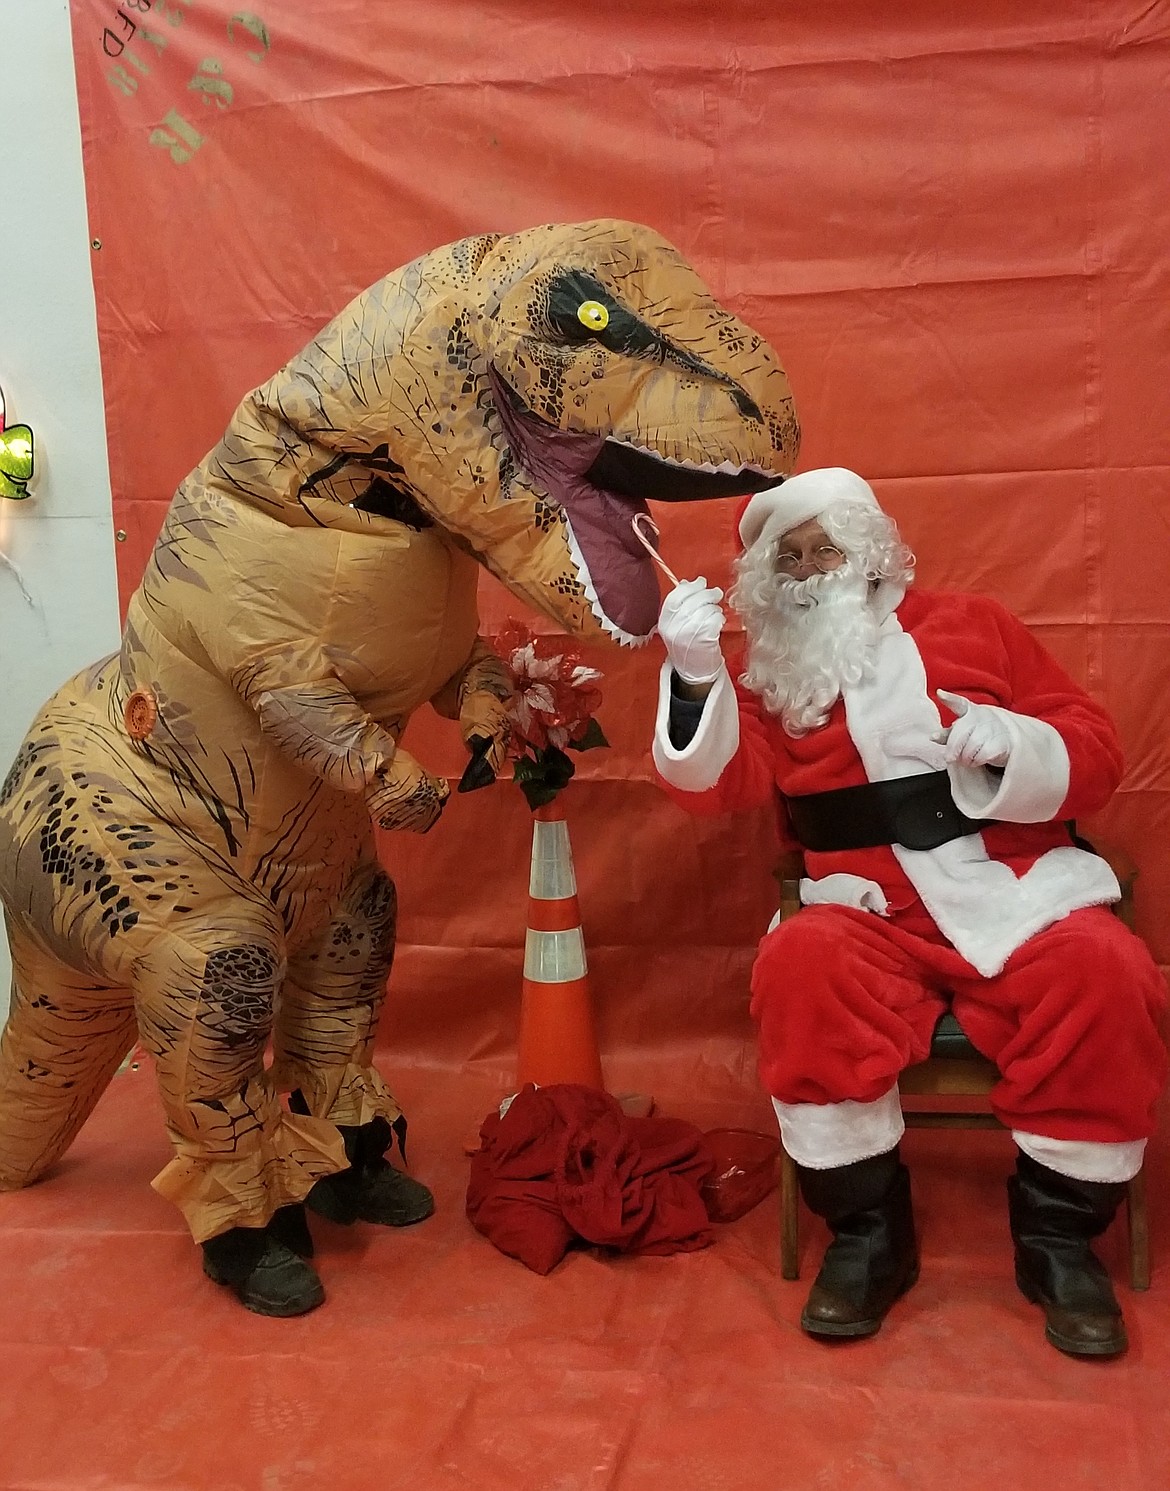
{"points": [[954, 1068], [949, 1041]]}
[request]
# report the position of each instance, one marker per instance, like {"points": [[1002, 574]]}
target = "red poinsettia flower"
{"points": [[556, 694]]}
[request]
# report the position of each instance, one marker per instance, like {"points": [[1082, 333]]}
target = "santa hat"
{"points": [[779, 509]]}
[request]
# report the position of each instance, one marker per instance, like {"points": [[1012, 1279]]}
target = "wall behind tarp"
{"points": [[950, 220]]}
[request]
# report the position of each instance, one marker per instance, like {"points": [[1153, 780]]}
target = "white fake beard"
{"points": [[807, 640]]}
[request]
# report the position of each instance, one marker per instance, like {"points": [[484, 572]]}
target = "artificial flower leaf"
{"points": [[542, 776], [592, 737]]}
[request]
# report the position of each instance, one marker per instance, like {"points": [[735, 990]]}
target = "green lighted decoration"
{"points": [[16, 457]]}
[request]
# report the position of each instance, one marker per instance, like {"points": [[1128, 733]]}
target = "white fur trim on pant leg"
{"points": [[1084, 1159], [821, 1136]]}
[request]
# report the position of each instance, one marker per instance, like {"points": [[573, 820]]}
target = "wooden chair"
{"points": [[955, 1069]]}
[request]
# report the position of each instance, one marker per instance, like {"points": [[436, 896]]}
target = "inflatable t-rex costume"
{"points": [[186, 850]]}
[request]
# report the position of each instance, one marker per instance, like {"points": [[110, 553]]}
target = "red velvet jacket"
{"points": [[968, 645]]}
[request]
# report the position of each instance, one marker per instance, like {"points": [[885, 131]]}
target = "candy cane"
{"points": [[649, 544]]}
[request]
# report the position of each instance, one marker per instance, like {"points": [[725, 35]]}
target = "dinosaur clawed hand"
{"points": [[485, 720], [407, 797], [478, 772]]}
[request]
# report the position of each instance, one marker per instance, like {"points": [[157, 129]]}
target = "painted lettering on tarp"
{"points": [[139, 55]]}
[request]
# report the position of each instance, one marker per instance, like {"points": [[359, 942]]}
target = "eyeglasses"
{"points": [[825, 559]]}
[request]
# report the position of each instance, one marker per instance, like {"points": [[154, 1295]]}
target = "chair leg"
{"points": [[1139, 1232], [789, 1219]]}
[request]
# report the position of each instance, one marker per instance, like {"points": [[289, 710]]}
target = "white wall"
{"points": [[58, 602]]}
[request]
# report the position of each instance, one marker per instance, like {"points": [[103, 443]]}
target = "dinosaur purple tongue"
{"points": [[615, 564], [616, 571], [602, 485]]}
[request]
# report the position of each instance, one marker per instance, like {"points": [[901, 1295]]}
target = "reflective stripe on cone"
{"points": [[557, 1041]]}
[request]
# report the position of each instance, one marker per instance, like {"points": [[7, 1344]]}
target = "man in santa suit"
{"points": [[928, 755]]}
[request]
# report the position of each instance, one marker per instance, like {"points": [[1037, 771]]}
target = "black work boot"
{"points": [[371, 1190], [290, 1226], [1053, 1219], [873, 1258], [265, 1274]]}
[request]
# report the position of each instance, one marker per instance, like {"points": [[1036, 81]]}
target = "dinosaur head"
{"points": [[529, 393], [587, 370]]}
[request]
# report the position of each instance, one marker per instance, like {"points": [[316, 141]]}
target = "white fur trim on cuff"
{"points": [[821, 1136], [1084, 1159], [1034, 781], [704, 758]]}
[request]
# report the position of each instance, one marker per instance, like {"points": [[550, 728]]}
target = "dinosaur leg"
{"points": [[331, 1002], [65, 1037], [205, 1011], [324, 1048]]}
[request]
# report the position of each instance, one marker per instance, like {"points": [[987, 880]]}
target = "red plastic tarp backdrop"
{"points": [[951, 221]]}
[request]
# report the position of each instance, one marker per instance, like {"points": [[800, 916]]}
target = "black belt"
{"points": [[916, 812]]}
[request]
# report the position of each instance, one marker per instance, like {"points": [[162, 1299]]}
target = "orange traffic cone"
{"points": [[557, 1040]]}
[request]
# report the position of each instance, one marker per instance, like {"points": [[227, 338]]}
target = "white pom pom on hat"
{"points": [[782, 508]]}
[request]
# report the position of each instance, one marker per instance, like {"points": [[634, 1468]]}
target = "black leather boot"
{"points": [[371, 1190], [873, 1258], [1053, 1219], [266, 1274]]}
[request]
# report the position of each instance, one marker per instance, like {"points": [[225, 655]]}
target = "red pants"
{"points": [[844, 1001]]}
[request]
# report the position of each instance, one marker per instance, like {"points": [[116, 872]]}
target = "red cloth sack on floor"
{"points": [[512, 1192], [565, 1163]]}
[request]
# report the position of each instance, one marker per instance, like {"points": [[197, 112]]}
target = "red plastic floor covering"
{"points": [[438, 1364]]}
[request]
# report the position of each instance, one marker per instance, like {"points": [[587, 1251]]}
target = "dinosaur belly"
{"points": [[107, 842]]}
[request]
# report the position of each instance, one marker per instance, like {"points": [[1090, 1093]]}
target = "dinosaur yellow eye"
{"points": [[593, 315]]}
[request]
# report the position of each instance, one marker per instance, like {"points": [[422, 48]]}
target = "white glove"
{"points": [[978, 737], [689, 624]]}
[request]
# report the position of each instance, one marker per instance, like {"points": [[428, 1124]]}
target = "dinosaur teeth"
{"points": [[724, 468], [627, 639]]}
